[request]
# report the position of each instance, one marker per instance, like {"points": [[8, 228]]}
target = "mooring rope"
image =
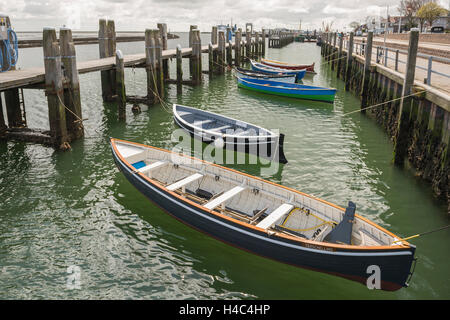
{"points": [[332, 60], [382, 103]]}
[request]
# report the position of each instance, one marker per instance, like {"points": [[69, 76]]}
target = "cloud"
{"points": [[179, 14]]}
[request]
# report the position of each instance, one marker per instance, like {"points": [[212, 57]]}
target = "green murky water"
{"points": [[60, 210]]}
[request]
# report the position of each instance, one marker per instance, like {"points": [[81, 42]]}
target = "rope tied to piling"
{"points": [[382, 103]]}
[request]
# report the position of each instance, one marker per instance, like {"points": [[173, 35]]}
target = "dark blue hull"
{"points": [[351, 264]]}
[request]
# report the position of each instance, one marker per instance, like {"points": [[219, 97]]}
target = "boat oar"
{"points": [[427, 232]]}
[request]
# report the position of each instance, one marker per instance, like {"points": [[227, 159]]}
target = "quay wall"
{"points": [[427, 130]]}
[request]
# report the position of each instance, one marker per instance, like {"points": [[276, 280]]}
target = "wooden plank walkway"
{"points": [[32, 76]]}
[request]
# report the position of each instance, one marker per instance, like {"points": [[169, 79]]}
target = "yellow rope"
{"points": [[380, 104], [331, 223]]}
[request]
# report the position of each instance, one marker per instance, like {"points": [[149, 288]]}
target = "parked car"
{"points": [[437, 29]]}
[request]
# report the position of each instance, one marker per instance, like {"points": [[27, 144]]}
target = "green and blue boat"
{"points": [[292, 90]]}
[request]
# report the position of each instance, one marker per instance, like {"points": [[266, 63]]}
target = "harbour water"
{"points": [[74, 210]]}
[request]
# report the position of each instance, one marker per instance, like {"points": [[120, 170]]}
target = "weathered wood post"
{"points": [[230, 53], [242, 50], [103, 44], [158, 63], [111, 31], [404, 112], [191, 37], [237, 48], [215, 55], [339, 61], [333, 59], [221, 66], [348, 66], [366, 76], [54, 89], [2, 120], [248, 44], [120, 85], [263, 44], [179, 66], [210, 59], [150, 66], [214, 39], [257, 44], [72, 98], [196, 57], [12, 102], [163, 33]]}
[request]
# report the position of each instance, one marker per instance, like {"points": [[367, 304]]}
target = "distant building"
{"points": [[442, 22], [393, 24]]}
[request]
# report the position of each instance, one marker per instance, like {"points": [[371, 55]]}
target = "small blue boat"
{"points": [[272, 70], [293, 90]]}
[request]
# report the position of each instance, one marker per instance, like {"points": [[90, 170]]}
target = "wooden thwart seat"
{"points": [[224, 197], [183, 182], [201, 123], [227, 126], [275, 215], [148, 168]]}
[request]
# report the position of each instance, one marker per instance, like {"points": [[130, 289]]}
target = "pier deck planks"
{"points": [[31, 76]]}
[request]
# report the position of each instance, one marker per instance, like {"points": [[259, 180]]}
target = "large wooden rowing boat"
{"points": [[265, 218]]}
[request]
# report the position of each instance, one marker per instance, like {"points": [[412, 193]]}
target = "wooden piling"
{"points": [[263, 43], [230, 54], [120, 85], [111, 31], [215, 54], [54, 89], [221, 54], [191, 37], [257, 51], [366, 76], [158, 63], [150, 66], [196, 58], [404, 119], [103, 44], [339, 61], [179, 66], [334, 50], [348, 66], [214, 39], [12, 102], [210, 59], [3, 126], [72, 99], [248, 44], [163, 34], [237, 48]]}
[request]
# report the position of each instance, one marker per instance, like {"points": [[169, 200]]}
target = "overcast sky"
{"points": [[131, 15]]}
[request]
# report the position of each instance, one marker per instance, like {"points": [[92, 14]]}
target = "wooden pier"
{"points": [[414, 114], [279, 39], [59, 76]]}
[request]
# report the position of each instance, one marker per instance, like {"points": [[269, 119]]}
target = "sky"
{"points": [[138, 15]]}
